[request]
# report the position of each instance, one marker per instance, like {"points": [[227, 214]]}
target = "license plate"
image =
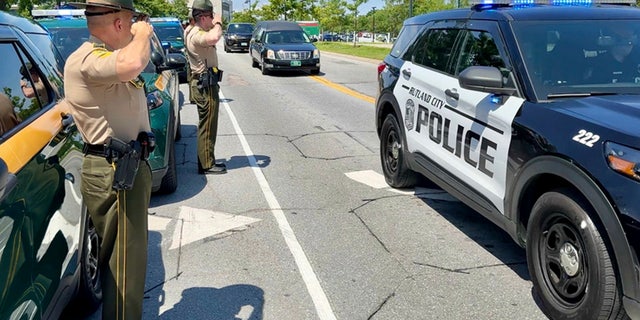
{"points": [[295, 63], [244, 44]]}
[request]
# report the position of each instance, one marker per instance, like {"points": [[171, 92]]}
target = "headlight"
{"points": [[234, 37], [624, 160], [316, 54], [154, 100], [270, 54]]}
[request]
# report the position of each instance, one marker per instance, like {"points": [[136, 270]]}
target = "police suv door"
{"points": [[465, 133]]}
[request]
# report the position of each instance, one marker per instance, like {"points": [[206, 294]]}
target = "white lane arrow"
{"points": [[376, 180], [198, 224]]}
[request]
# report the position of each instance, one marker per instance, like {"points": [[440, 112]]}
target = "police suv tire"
{"points": [[169, 182], [392, 155], [569, 262], [178, 128], [89, 294]]}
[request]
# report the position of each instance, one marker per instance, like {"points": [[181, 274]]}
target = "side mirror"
{"points": [[484, 79], [314, 40], [174, 61], [156, 58]]}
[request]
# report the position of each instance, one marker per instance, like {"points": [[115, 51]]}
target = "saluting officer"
{"points": [[203, 60], [107, 100]]}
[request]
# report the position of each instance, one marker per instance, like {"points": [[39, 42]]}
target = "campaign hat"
{"points": [[202, 5], [109, 4]]}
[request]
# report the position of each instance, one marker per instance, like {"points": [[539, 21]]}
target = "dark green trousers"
{"points": [[120, 218], [208, 103]]}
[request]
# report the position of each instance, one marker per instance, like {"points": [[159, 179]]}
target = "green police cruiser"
{"points": [[48, 244], [68, 30], [529, 112]]}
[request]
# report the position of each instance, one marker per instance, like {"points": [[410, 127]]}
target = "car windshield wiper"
{"points": [[579, 94]]}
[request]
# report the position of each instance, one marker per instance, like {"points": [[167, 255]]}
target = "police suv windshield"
{"points": [[168, 33], [572, 58]]}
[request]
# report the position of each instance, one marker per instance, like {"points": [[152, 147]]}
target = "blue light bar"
{"points": [[548, 2]]}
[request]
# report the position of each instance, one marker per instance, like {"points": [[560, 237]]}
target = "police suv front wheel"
{"points": [[569, 262], [392, 155]]}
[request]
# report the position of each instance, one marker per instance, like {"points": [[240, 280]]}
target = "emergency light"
{"points": [[547, 2]]}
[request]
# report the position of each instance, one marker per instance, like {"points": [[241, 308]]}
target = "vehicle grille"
{"points": [[293, 55]]}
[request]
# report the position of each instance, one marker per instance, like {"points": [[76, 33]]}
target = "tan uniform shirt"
{"points": [[201, 55], [102, 105]]}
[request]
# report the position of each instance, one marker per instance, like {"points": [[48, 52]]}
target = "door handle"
{"points": [[452, 94], [406, 74]]}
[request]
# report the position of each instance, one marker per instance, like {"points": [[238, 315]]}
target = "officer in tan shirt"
{"points": [[107, 100], [201, 51]]}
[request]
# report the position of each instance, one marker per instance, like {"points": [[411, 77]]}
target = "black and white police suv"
{"points": [[530, 114]]}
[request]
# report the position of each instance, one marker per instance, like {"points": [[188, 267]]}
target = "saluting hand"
{"points": [[142, 28]]}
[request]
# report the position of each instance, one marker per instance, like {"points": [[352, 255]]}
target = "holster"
{"points": [[210, 77], [127, 156]]}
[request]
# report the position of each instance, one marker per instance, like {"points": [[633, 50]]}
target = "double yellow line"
{"points": [[344, 89]]}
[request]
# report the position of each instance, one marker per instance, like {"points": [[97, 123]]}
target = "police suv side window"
{"points": [[479, 49], [405, 38], [23, 88], [435, 47]]}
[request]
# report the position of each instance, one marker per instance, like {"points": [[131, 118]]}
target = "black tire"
{"points": [[392, 155], [264, 69], [315, 71], [254, 63], [569, 262], [169, 182], [89, 294]]}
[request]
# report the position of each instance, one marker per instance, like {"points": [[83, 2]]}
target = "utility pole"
{"points": [[410, 8], [373, 22]]}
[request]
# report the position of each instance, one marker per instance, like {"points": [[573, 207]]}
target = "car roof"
{"points": [[279, 25], [532, 12], [24, 24]]}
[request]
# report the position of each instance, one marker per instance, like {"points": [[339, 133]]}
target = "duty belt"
{"points": [[95, 149]]}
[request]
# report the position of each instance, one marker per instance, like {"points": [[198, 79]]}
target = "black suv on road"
{"points": [[237, 37], [529, 114]]}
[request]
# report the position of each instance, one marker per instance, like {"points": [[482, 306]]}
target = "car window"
{"points": [[479, 49], [407, 34], [49, 50], [434, 48], [168, 33], [23, 88], [240, 28], [67, 40]]}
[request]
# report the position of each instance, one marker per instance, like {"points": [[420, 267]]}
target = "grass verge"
{"points": [[364, 51]]}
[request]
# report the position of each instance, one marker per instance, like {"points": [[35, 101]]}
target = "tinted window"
{"points": [[434, 48], [23, 88], [288, 36], [49, 51], [169, 33], [67, 40], [240, 28], [479, 49], [405, 37]]}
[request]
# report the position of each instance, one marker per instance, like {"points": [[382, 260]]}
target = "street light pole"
{"points": [[410, 8], [374, 24]]}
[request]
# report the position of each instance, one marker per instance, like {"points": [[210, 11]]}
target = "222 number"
{"points": [[585, 137]]}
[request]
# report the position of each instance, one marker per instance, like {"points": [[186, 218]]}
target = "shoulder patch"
{"points": [[101, 51]]}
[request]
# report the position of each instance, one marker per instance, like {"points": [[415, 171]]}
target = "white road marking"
{"points": [[323, 307], [368, 177], [198, 224], [376, 180]]}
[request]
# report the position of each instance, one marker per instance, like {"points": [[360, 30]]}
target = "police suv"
{"points": [[530, 114]]}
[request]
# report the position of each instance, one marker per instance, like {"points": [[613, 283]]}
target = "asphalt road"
{"points": [[303, 226]]}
